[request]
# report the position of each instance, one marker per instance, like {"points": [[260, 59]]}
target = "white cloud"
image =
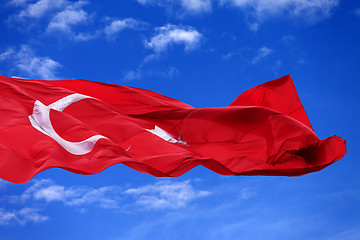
{"points": [[140, 72], [105, 197], [40, 8], [161, 195], [118, 25], [66, 17], [170, 34], [28, 194], [186, 6], [132, 75], [309, 10], [22, 216], [262, 53], [249, 55], [7, 54], [196, 6], [27, 64], [6, 217], [31, 65], [57, 15], [55, 193], [247, 193], [64, 20], [166, 195], [83, 37]]}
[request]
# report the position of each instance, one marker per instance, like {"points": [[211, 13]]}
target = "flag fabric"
{"points": [[85, 127]]}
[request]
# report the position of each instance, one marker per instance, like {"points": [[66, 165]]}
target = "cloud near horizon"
{"points": [[161, 195], [25, 63], [21, 217], [166, 195]]}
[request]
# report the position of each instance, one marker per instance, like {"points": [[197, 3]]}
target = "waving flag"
{"points": [[85, 127]]}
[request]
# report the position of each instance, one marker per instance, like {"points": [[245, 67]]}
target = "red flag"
{"points": [[85, 127]]}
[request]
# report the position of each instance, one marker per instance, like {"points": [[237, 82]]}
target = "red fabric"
{"points": [[265, 131]]}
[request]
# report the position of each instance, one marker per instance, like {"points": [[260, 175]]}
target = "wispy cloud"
{"points": [[22, 216], [253, 26], [66, 19], [249, 56], [262, 53], [46, 190], [196, 6], [140, 72], [258, 10], [235, 215], [158, 196], [182, 6], [308, 10], [166, 195], [39, 8], [69, 19], [85, 36], [223, 214], [247, 193], [8, 53], [133, 75], [118, 25], [34, 66], [53, 16], [162, 40], [169, 35], [24, 63]]}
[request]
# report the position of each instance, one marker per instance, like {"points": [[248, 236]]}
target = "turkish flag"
{"points": [[85, 127]]}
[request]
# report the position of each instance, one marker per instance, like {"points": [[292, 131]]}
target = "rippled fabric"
{"points": [[265, 131]]}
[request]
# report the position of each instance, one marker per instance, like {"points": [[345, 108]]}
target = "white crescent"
{"points": [[40, 119]]}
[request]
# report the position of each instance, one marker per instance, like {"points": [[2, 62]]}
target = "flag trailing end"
{"points": [[85, 127]]}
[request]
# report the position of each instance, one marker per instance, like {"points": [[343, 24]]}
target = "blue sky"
{"points": [[204, 53]]}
